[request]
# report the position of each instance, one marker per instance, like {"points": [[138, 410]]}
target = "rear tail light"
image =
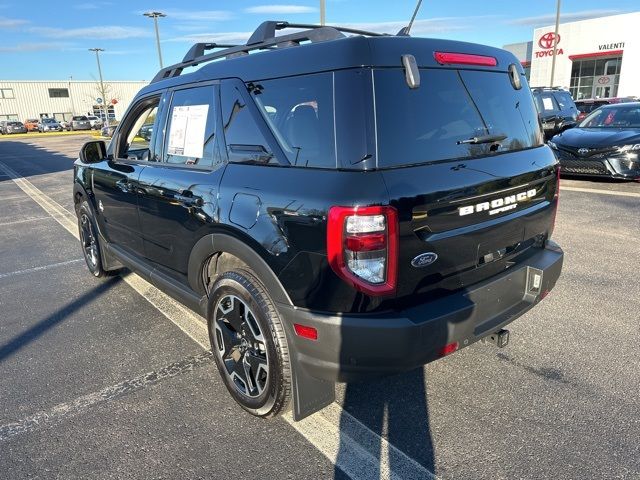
{"points": [[362, 246], [448, 58]]}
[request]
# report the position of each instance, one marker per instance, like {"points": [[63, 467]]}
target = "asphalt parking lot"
{"points": [[110, 379]]}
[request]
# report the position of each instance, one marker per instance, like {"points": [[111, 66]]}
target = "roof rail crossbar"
{"points": [[267, 30], [199, 48], [315, 34]]}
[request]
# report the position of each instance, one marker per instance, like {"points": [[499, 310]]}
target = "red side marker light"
{"points": [[448, 349], [449, 58], [305, 332]]}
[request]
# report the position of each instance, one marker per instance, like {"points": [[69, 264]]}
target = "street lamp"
{"points": [[323, 12], [555, 43], [155, 16], [104, 98]]}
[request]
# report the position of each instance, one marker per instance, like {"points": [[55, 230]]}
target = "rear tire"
{"points": [[249, 344]]}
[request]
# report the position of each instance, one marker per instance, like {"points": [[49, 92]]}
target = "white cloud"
{"points": [[420, 27], [107, 32], [280, 9], [219, 37], [92, 5], [12, 22], [33, 47], [550, 19]]}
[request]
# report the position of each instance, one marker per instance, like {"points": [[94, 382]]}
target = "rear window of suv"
{"points": [[425, 124], [80, 118]]}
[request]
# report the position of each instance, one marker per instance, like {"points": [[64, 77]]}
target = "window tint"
{"points": [[425, 124], [299, 110], [244, 139], [191, 129], [564, 100], [135, 139]]}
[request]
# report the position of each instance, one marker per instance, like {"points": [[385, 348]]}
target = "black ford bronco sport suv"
{"points": [[336, 204]]}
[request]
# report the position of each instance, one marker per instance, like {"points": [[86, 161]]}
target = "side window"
{"points": [[136, 137], [546, 103], [244, 139], [299, 110], [191, 129], [564, 100]]}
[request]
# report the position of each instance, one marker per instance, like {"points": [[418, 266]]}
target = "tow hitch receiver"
{"points": [[500, 338]]}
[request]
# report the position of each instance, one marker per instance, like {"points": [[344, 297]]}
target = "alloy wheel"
{"points": [[241, 346]]}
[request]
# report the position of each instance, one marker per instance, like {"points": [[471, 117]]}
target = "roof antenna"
{"points": [[404, 31]]}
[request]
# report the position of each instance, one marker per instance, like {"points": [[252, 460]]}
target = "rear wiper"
{"points": [[483, 139]]}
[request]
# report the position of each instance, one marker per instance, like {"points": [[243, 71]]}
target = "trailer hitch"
{"points": [[500, 338]]}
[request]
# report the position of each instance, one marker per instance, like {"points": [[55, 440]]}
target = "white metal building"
{"points": [[20, 100], [595, 58]]}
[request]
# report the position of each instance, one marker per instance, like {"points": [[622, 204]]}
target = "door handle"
{"points": [[189, 200]]}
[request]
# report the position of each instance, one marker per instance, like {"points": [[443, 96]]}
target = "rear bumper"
{"points": [[356, 347]]}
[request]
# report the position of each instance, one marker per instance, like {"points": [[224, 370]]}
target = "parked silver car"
{"points": [[12, 126], [80, 122], [49, 125]]}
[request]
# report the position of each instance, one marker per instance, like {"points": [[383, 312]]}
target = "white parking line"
{"points": [[83, 403], [595, 190], [40, 268], [353, 449], [24, 220]]}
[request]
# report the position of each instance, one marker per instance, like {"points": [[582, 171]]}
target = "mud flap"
{"points": [[310, 394]]}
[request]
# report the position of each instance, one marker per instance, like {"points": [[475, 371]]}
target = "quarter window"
{"points": [[191, 130], [299, 111]]}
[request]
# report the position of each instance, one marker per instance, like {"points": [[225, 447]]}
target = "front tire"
{"points": [[249, 344], [89, 241]]}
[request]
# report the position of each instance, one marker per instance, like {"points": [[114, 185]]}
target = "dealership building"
{"points": [[21, 100], [595, 58]]}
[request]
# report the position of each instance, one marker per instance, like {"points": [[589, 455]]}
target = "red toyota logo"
{"points": [[604, 80], [546, 40]]}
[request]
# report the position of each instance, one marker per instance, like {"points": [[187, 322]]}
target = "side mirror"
{"points": [[93, 152]]}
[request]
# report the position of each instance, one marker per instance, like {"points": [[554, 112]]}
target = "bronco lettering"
{"points": [[498, 205]]}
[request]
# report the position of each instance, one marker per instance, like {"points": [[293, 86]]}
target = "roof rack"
{"points": [[263, 38]]}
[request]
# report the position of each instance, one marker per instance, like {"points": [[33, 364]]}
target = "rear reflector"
{"points": [[305, 332], [448, 349], [448, 58]]}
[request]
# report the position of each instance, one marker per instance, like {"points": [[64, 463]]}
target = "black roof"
{"points": [[280, 58]]}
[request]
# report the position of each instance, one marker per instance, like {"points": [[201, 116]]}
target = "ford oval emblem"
{"points": [[424, 259]]}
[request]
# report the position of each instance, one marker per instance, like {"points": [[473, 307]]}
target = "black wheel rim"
{"points": [[241, 346], [89, 244]]}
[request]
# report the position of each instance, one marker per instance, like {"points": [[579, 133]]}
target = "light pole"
{"points": [[555, 43], [323, 12], [155, 16], [104, 99]]}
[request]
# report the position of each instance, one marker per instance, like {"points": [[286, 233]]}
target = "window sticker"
{"points": [[548, 103], [186, 136]]}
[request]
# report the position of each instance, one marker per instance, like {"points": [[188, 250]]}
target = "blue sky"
{"points": [[49, 40]]}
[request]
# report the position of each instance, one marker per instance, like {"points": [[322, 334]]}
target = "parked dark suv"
{"points": [[337, 207], [556, 108]]}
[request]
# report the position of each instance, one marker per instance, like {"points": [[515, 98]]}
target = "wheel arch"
{"points": [[223, 243]]}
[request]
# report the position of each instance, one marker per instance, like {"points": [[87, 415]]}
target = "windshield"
{"points": [[619, 116], [48, 120], [440, 119], [80, 118]]}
